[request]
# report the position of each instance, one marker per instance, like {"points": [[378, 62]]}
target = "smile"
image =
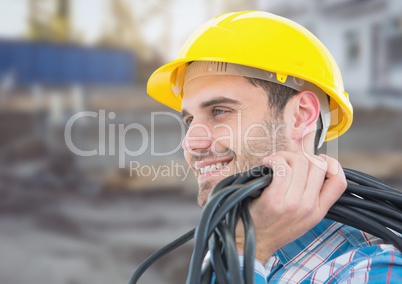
{"points": [[212, 167], [204, 167]]}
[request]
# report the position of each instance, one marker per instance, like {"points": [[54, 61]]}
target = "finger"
{"points": [[281, 174], [299, 166], [315, 179], [334, 184], [282, 171]]}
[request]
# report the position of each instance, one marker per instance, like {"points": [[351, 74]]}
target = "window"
{"points": [[394, 42], [352, 47]]}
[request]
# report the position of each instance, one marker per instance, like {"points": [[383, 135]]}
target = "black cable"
{"points": [[206, 273], [365, 179], [230, 255], [210, 207], [216, 261], [251, 188], [367, 204], [383, 220], [214, 218], [370, 206], [368, 192], [249, 242], [366, 224]]}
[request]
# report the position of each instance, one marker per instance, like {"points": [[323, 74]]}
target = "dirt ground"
{"points": [[65, 237]]}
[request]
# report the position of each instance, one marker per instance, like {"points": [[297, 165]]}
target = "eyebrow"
{"points": [[212, 102]]}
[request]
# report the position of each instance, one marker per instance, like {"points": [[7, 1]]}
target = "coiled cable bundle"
{"points": [[367, 204]]}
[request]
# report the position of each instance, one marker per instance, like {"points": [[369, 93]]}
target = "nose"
{"points": [[198, 138]]}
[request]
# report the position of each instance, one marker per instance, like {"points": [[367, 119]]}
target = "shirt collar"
{"points": [[307, 242]]}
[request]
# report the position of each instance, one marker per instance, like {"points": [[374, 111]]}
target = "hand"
{"points": [[300, 195]]}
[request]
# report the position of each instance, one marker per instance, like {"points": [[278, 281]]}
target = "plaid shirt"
{"points": [[332, 252]]}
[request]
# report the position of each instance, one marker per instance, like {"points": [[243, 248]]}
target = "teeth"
{"points": [[212, 167]]}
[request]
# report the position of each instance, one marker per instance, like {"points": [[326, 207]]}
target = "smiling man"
{"points": [[218, 110], [254, 88]]}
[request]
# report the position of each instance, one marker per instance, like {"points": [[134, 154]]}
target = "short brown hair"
{"points": [[278, 97]]}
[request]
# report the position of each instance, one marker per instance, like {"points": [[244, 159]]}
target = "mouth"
{"points": [[205, 168]]}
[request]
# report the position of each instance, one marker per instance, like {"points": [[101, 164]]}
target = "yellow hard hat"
{"points": [[264, 41]]}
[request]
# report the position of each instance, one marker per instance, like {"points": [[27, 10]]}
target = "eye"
{"points": [[187, 121], [219, 111]]}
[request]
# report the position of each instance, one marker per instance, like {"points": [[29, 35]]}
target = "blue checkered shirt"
{"points": [[332, 252]]}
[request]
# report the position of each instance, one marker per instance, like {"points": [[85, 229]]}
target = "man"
{"points": [[254, 88]]}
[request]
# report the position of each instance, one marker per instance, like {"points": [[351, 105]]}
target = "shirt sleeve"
{"points": [[260, 276]]}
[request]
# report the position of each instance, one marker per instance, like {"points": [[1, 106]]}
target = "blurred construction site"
{"points": [[74, 206]]}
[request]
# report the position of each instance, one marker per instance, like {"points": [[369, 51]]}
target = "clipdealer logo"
{"points": [[122, 131], [231, 134]]}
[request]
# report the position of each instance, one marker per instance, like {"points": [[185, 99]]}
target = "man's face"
{"points": [[231, 129]]}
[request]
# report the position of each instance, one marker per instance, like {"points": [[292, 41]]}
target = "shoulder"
{"points": [[382, 263]]}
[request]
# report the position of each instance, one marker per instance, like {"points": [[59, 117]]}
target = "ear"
{"points": [[305, 110]]}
